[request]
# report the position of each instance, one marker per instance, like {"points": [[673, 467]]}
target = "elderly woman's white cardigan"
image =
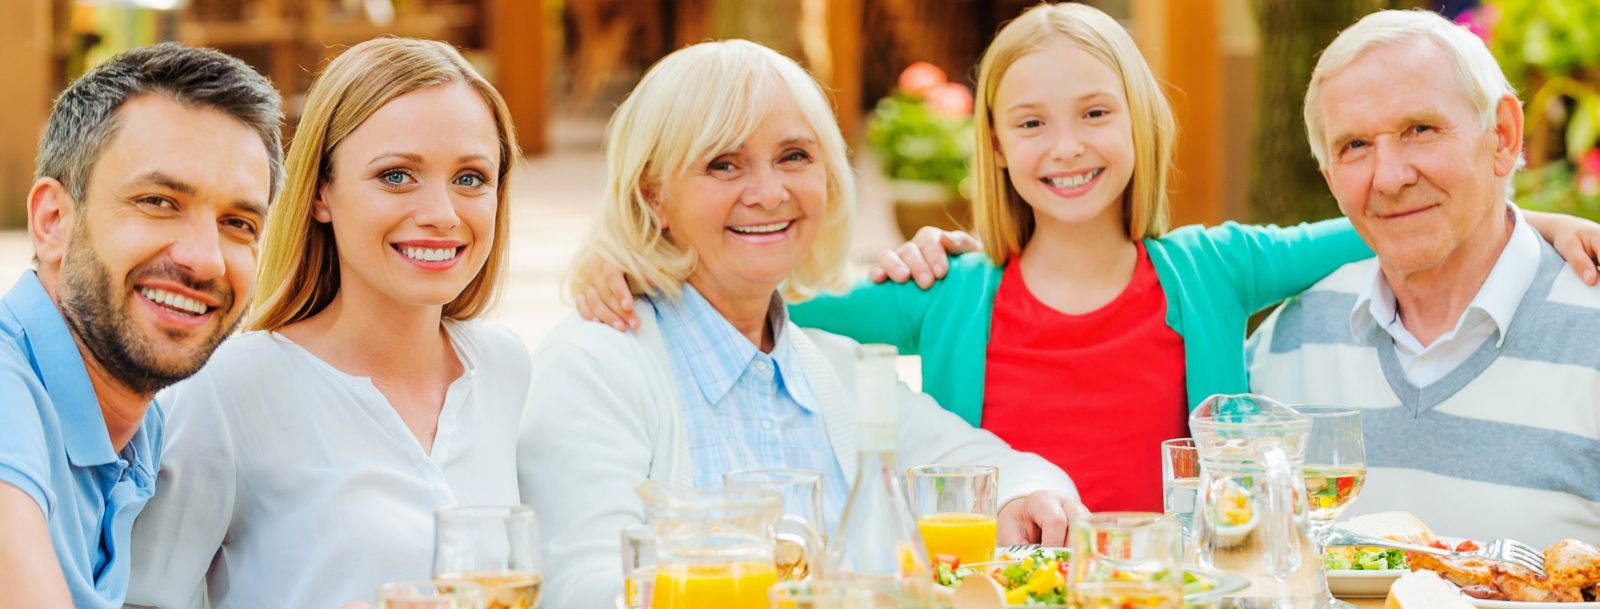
{"points": [[603, 416]]}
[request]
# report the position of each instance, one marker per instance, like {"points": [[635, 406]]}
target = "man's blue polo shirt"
{"points": [[55, 447]]}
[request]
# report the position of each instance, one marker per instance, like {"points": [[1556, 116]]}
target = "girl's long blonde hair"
{"points": [[698, 102], [1004, 221], [299, 272]]}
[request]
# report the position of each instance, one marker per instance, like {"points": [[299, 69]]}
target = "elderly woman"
{"points": [[727, 180]]}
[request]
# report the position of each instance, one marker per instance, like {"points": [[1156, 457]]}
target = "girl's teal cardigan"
{"points": [[1213, 278]]}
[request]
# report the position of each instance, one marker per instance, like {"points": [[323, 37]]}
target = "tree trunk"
{"points": [[1285, 185]]}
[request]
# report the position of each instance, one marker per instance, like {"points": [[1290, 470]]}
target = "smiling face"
{"points": [[1063, 134], [750, 214], [161, 255], [1408, 161], [412, 198]]}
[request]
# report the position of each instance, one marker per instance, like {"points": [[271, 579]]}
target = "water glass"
{"points": [[798, 532], [430, 595], [638, 565], [494, 546], [1180, 481], [1125, 560], [955, 506]]}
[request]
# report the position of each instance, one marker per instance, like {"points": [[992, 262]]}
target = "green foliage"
{"points": [[1550, 37], [916, 143]]}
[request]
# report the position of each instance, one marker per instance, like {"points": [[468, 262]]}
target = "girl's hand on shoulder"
{"points": [[1576, 239], [924, 259], [603, 296]]}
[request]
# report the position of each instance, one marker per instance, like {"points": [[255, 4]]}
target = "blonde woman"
{"points": [[305, 461], [726, 181]]}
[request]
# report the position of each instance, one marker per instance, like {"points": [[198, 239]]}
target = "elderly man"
{"points": [[1473, 349], [154, 174]]}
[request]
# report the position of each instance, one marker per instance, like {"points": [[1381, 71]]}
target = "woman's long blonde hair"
{"points": [[698, 102], [299, 272], [1004, 221]]}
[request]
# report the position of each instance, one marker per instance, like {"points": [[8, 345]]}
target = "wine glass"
{"points": [[1335, 468], [430, 595], [493, 546]]}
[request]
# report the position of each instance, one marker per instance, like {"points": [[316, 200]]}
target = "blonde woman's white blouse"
{"points": [[288, 483]]}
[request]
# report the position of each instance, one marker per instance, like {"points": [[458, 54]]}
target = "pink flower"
{"points": [[921, 77], [1591, 163], [1480, 21], [1589, 174], [953, 100]]}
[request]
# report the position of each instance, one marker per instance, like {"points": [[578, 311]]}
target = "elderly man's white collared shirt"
{"points": [[1486, 317]]}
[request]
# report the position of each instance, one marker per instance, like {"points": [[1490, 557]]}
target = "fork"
{"points": [[1500, 550]]}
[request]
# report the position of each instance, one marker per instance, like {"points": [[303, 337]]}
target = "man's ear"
{"points": [[1508, 135], [50, 220]]}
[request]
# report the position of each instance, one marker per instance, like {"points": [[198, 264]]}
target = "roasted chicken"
{"points": [[1572, 571]]}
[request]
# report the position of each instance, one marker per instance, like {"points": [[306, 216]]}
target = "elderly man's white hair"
{"points": [[1475, 69]]}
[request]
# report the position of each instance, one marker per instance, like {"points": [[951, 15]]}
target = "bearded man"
{"points": [[152, 184]]}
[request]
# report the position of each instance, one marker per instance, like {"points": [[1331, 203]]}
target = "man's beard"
{"points": [[97, 312]]}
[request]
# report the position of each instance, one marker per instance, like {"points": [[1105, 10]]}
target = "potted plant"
{"points": [[922, 133]]}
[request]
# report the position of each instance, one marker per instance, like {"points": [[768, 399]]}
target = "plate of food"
{"points": [[1036, 578], [1571, 580]]}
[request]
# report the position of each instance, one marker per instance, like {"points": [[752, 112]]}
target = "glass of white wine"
{"points": [[1336, 467], [493, 546], [430, 595]]}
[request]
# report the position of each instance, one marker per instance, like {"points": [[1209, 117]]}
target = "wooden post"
{"points": [[516, 35], [1183, 43], [844, 50], [27, 28]]}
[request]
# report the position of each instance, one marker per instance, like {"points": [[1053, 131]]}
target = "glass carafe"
{"points": [[1250, 516], [714, 548]]}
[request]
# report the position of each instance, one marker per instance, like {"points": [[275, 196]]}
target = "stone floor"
{"points": [[553, 202]]}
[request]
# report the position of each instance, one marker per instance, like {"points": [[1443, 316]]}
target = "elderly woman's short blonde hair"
{"points": [[697, 103], [1004, 221], [1471, 63]]}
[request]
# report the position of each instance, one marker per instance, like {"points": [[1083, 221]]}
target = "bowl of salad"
{"points": [[1036, 578], [1362, 572]]}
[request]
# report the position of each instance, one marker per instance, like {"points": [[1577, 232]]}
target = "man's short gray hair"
{"points": [[83, 118], [1474, 68]]}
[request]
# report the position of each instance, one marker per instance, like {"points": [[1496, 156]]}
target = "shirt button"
{"points": [[761, 365], [1423, 359], [767, 425]]}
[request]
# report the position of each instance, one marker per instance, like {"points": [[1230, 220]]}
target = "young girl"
{"points": [[305, 461], [1088, 330]]}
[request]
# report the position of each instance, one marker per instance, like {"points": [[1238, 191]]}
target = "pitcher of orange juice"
{"points": [[714, 547]]}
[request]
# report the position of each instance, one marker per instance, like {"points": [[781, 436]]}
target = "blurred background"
{"points": [[900, 72]]}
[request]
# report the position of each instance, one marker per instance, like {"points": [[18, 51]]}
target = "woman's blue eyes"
{"points": [[401, 177]]}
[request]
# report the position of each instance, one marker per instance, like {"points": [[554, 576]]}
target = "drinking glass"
{"points": [[802, 509], [955, 507], [494, 546], [430, 595], [1125, 560], [1180, 481], [638, 565], [1336, 467], [828, 594]]}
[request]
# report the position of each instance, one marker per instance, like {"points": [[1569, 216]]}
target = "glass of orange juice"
{"points": [[955, 507]]}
